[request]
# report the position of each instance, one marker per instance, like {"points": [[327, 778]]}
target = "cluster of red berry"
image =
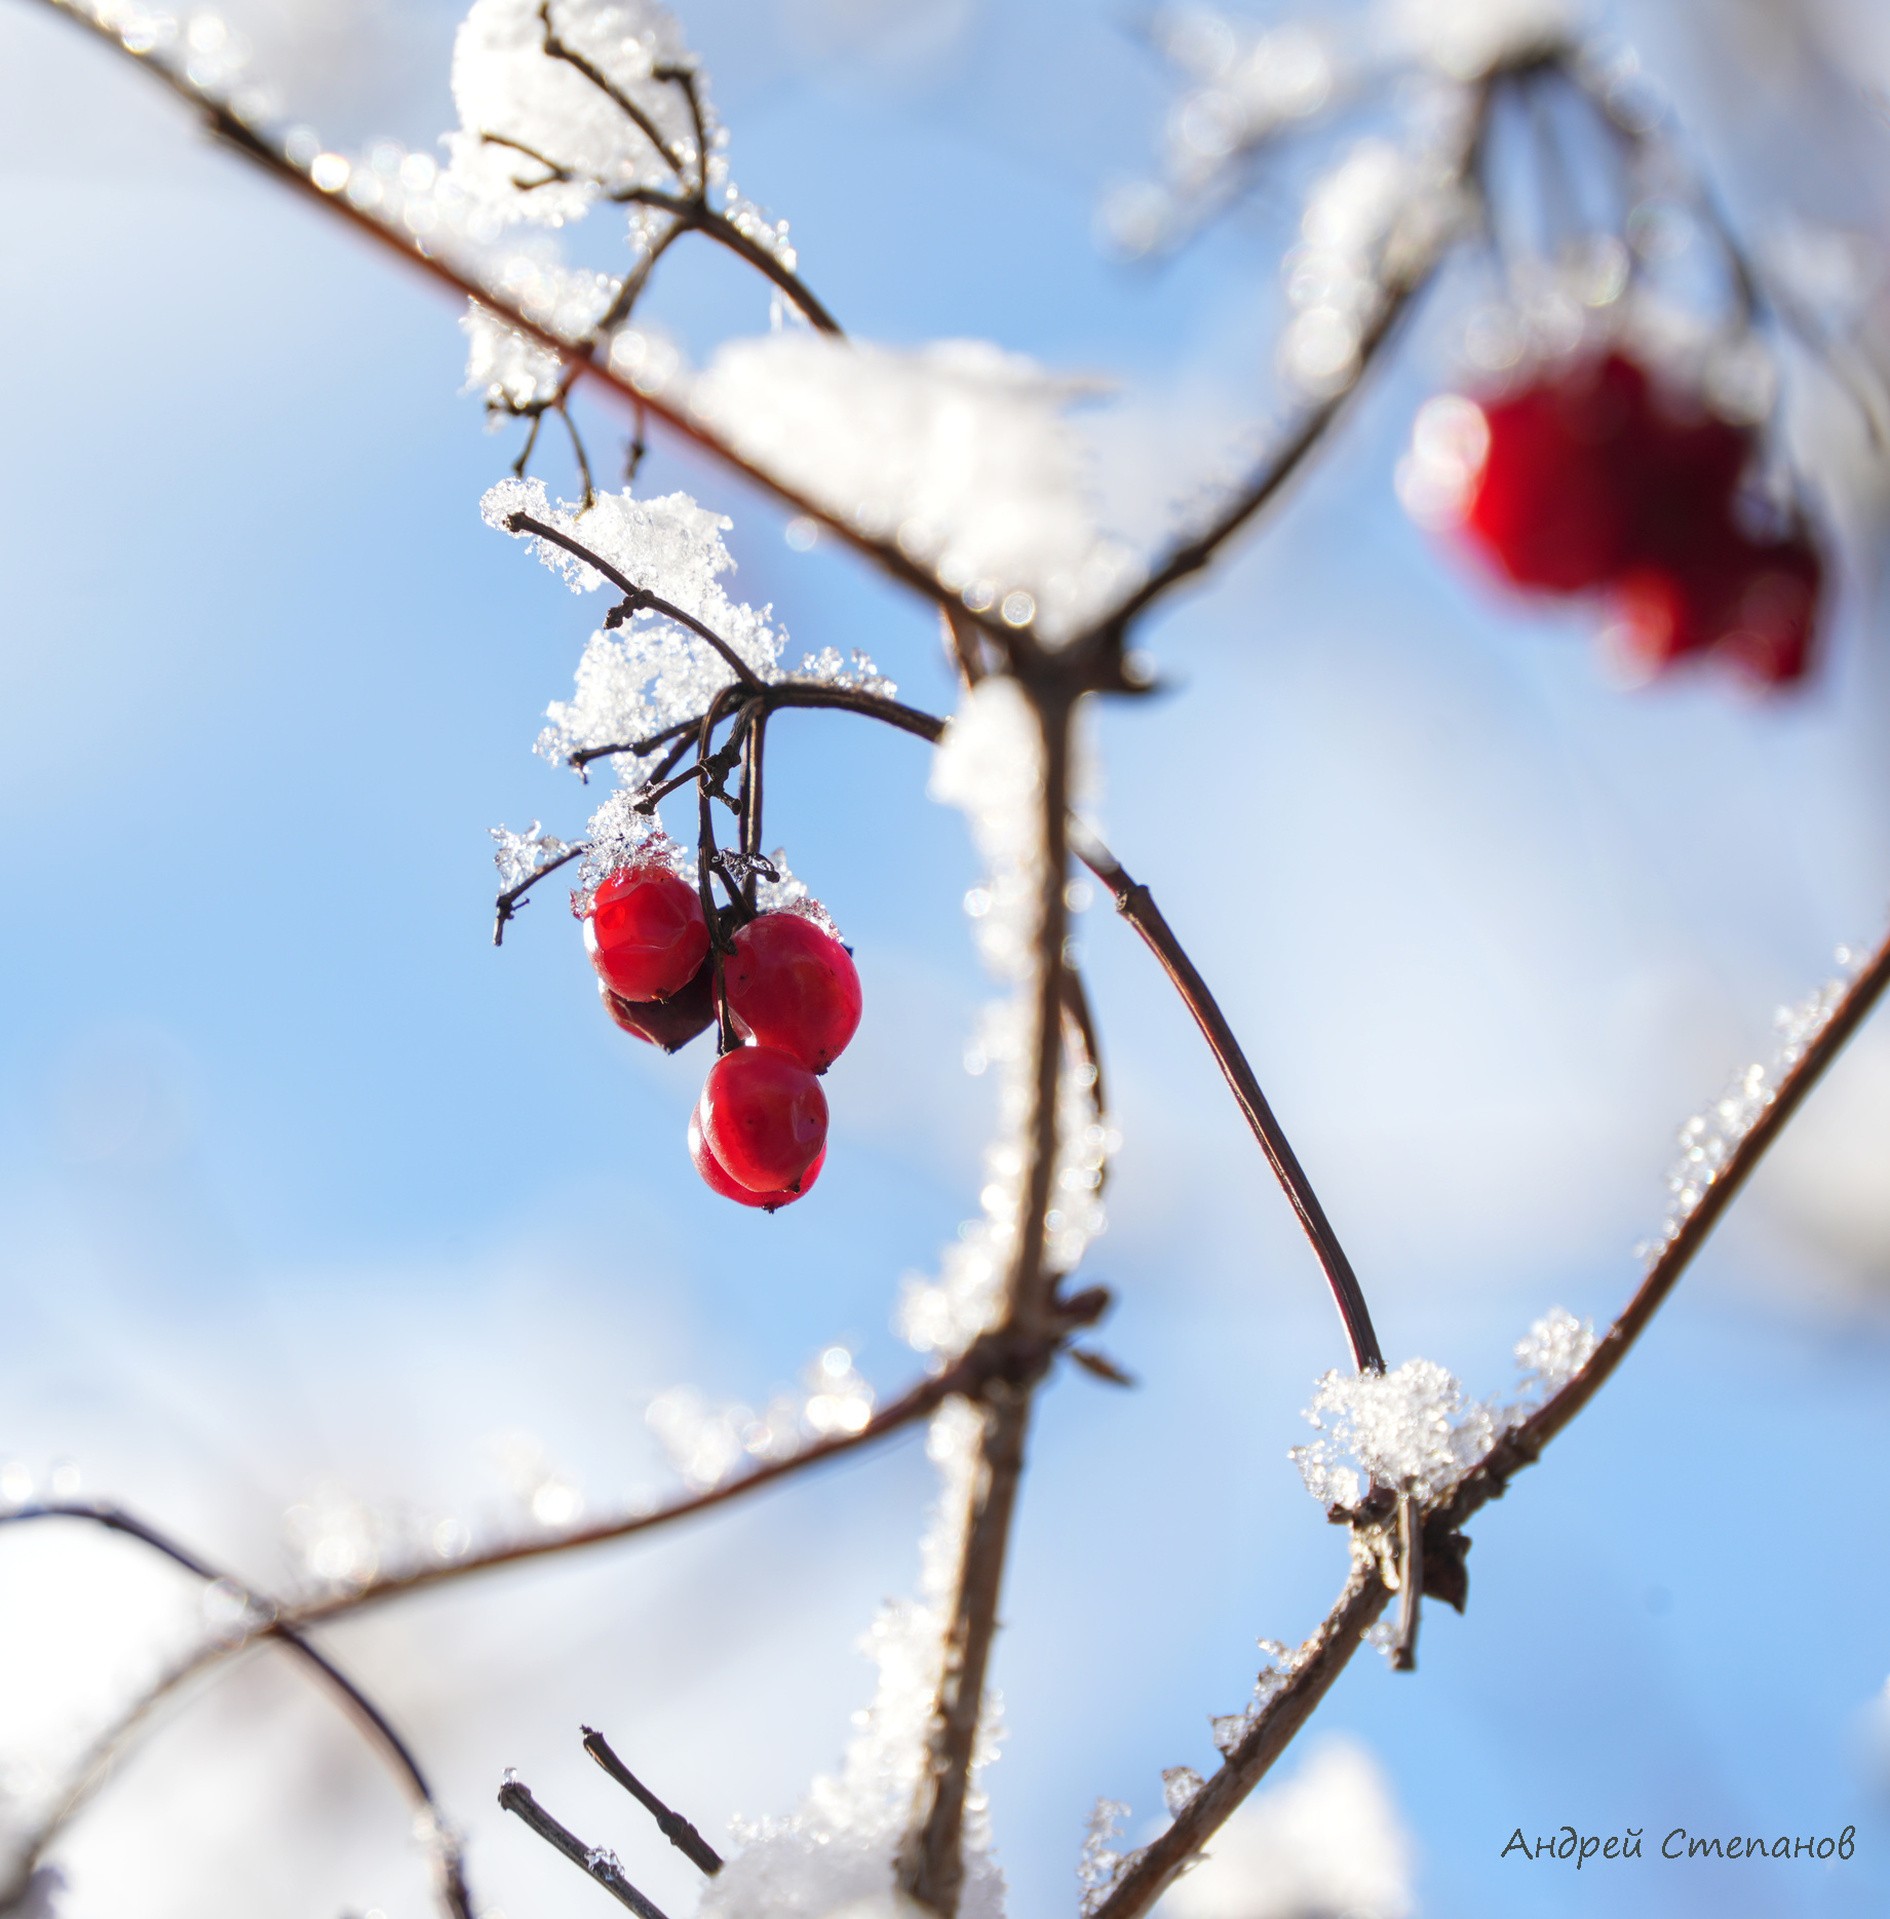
{"points": [[791, 998], [1595, 477]]}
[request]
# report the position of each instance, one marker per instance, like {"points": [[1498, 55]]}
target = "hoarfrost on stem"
{"points": [[706, 1443], [1413, 1430], [957, 452], [1102, 1860], [523, 856], [989, 763], [1709, 1139], [835, 1852]]}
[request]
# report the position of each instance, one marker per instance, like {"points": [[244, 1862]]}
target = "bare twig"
{"points": [[602, 1866], [636, 599], [672, 1825], [1320, 1660], [1137, 905], [508, 903], [449, 1870]]}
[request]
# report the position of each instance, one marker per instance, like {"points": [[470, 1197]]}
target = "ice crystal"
{"points": [[620, 836], [1708, 1140], [854, 670], [601, 1860], [1551, 1353], [1413, 1429], [511, 370], [539, 138], [1180, 1785], [1102, 1862], [834, 1854], [650, 672], [523, 856], [957, 452], [1278, 1663], [1327, 1840], [705, 1443]]}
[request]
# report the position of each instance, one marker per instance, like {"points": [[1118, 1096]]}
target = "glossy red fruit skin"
{"points": [[792, 986], [667, 1023], [716, 1178], [645, 932], [764, 1118]]}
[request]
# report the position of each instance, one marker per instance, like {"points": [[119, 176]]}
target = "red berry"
{"points": [[1751, 602], [1771, 611], [793, 987], [645, 932], [669, 1023], [764, 1118], [716, 1177], [1549, 507]]}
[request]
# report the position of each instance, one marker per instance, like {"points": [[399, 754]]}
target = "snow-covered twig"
{"points": [[1310, 1671]]}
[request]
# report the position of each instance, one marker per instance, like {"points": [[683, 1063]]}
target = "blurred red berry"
{"points": [[792, 986], [1552, 505], [763, 1117], [645, 932], [716, 1178], [669, 1023]]}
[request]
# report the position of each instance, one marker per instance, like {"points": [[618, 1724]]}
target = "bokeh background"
{"points": [[313, 1198]]}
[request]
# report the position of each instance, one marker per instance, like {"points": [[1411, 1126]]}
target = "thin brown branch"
{"points": [[636, 599], [1321, 1659], [672, 1825], [556, 48], [602, 1866], [1137, 905], [379, 1731], [1282, 464], [675, 415], [506, 907]]}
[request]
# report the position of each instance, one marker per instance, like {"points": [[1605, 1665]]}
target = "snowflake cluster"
{"points": [[1415, 1430], [1709, 1139], [706, 1443]]}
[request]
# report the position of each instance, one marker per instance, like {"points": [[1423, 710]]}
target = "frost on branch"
{"points": [[508, 89], [1326, 1841], [523, 856], [835, 1852], [648, 673], [1708, 1140], [510, 370], [990, 763], [707, 1443], [1412, 1430], [1415, 1430], [1102, 1860], [958, 452]]}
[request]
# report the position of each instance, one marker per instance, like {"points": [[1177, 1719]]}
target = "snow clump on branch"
{"points": [[958, 453], [1415, 1430], [541, 137]]}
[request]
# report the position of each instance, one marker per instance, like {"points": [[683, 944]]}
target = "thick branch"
{"points": [[931, 1861], [1325, 1655]]}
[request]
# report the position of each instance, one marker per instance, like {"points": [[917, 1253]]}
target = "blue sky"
{"points": [[307, 1184]]}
